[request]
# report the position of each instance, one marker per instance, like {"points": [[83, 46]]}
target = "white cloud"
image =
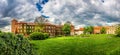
{"points": [[88, 12], [24, 10], [6, 29], [79, 12]]}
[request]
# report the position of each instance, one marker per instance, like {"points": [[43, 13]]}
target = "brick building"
{"points": [[109, 30], [27, 28]]}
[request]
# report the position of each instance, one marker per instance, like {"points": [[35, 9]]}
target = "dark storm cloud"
{"points": [[3, 23]]}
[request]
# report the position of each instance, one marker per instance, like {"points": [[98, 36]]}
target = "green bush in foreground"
{"points": [[14, 45], [38, 36]]}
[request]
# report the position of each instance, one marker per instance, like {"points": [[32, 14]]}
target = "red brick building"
{"points": [[23, 27]]}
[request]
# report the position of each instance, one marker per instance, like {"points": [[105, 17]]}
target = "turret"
{"points": [[13, 25]]}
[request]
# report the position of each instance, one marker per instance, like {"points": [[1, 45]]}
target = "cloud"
{"points": [[24, 10], [88, 12], [79, 12]]}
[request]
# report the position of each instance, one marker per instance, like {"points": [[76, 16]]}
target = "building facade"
{"points": [[97, 30], [111, 29], [79, 31], [27, 28]]}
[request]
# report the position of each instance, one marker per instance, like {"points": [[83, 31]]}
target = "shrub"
{"points": [[14, 45], [38, 36], [0, 31], [46, 35], [118, 30]]}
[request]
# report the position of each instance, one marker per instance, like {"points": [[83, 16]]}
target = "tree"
{"points": [[118, 30], [85, 30], [40, 21], [66, 29], [88, 30], [103, 30], [91, 29]]}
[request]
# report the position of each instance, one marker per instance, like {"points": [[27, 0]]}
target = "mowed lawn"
{"points": [[76, 45]]}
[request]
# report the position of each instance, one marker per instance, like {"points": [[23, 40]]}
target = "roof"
{"points": [[81, 29]]}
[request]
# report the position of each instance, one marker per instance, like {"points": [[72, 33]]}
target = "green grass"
{"points": [[94, 45]]}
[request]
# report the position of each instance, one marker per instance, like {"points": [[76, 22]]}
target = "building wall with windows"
{"points": [[111, 29], [27, 28]]}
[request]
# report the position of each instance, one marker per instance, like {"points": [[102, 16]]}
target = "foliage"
{"points": [[118, 30], [88, 30], [38, 36], [40, 22], [0, 31], [14, 45], [103, 30], [46, 35], [66, 29], [96, 44]]}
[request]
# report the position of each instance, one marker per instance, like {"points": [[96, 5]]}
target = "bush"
{"points": [[46, 35], [0, 31], [14, 45], [38, 36]]}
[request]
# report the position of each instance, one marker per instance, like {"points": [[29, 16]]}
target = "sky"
{"points": [[78, 12]]}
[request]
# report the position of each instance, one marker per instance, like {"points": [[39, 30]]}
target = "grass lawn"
{"points": [[93, 45]]}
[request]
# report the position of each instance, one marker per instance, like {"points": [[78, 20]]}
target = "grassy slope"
{"points": [[98, 45]]}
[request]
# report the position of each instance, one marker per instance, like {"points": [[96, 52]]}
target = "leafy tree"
{"points": [[103, 30], [40, 21], [14, 45], [88, 30], [118, 30], [66, 29], [85, 30], [91, 29]]}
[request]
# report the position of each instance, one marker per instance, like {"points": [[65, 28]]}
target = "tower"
{"points": [[13, 25]]}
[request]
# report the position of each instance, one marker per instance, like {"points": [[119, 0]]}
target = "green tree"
{"points": [[118, 30], [85, 30], [66, 29], [91, 29], [40, 22], [103, 30], [88, 30]]}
